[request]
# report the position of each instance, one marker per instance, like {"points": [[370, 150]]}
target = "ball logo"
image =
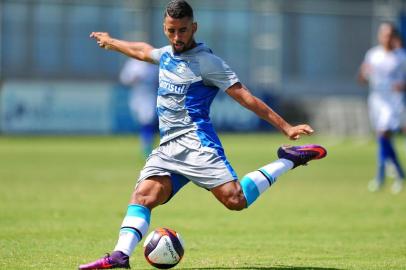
{"points": [[170, 250]]}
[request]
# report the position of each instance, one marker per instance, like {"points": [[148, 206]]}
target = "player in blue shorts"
{"points": [[190, 76]]}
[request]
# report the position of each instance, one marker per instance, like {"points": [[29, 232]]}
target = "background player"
{"points": [[142, 78], [384, 68], [189, 78]]}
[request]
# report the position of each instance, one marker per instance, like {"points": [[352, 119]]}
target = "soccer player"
{"points": [[142, 78], [190, 77], [384, 68]]}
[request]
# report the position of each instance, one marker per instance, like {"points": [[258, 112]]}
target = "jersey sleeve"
{"points": [[156, 54], [367, 57], [215, 72]]}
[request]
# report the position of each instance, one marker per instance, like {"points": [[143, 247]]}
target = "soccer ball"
{"points": [[163, 248]]}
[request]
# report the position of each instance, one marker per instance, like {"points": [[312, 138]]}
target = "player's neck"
{"points": [[388, 48], [191, 46]]}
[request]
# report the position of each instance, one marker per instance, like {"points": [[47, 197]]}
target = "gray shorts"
{"points": [[184, 159]]}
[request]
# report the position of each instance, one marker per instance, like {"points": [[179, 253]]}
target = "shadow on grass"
{"points": [[263, 268]]}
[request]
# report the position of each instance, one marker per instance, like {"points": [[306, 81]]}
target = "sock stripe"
{"points": [[135, 225], [134, 222], [267, 176], [249, 189], [259, 179], [255, 183], [140, 211], [134, 230]]}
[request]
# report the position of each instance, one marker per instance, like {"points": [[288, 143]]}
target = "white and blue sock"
{"points": [[135, 225], [255, 183]]}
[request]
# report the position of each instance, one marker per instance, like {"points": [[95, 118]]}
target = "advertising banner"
{"points": [[44, 107], [93, 108]]}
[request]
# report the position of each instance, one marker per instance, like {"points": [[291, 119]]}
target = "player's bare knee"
{"points": [[235, 202], [143, 199], [146, 198], [231, 196]]}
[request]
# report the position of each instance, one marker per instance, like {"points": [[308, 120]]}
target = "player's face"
{"points": [[180, 33], [385, 35]]}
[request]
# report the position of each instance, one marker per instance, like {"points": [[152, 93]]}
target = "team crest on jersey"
{"points": [[181, 67], [167, 61]]}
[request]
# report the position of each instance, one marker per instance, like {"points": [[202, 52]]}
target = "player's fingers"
{"points": [[97, 34], [295, 137], [306, 129]]}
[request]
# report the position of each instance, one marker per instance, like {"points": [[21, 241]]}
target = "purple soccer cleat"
{"points": [[301, 154], [117, 259]]}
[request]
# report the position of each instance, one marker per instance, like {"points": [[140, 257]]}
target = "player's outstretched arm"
{"points": [[363, 73], [137, 50], [243, 96]]}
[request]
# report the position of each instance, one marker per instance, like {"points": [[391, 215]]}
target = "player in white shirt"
{"points": [[384, 68], [190, 76], [142, 78]]}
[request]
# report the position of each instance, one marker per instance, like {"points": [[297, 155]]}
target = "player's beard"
{"points": [[180, 47]]}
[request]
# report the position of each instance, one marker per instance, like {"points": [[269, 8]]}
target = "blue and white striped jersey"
{"points": [[188, 83]]}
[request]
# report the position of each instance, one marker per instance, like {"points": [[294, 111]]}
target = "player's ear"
{"points": [[194, 27]]}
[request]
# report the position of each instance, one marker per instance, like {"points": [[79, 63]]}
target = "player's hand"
{"points": [[295, 132], [364, 72], [103, 39]]}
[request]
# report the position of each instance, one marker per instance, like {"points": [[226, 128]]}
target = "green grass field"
{"points": [[62, 200]]}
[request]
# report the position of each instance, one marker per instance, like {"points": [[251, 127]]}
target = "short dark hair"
{"points": [[178, 9]]}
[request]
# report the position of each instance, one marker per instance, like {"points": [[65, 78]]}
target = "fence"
{"points": [[288, 49]]}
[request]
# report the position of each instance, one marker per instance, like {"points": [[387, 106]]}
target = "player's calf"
{"points": [[230, 195]]}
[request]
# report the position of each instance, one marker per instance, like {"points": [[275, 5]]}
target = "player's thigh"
{"points": [[230, 194], [153, 191]]}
